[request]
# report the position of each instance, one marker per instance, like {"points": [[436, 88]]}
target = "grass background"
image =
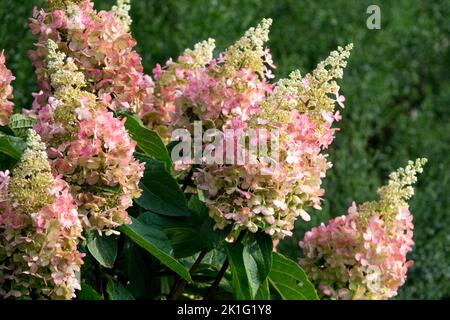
{"points": [[396, 84]]}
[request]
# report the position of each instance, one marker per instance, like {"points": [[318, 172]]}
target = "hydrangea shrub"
{"points": [[91, 194]]}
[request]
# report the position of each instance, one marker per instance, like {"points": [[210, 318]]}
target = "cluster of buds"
{"points": [[39, 230], [362, 255], [101, 46]]}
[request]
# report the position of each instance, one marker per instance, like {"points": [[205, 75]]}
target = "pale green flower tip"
{"points": [[266, 22], [122, 11], [34, 141], [202, 52], [422, 161], [51, 45]]}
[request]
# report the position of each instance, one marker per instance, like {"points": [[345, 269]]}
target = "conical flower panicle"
{"points": [[233, 91], [32, 177], [170, 81], [39, 230], [302, 112], [223, 91], [88, 146], [362, 255], [101, 46]]}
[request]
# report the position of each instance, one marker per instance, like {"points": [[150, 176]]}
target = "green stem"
{"points": [[181, 283], [187, 179], [100, 284]]}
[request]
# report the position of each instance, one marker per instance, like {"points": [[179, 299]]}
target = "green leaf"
{"points": [[6, 162], [117, 292], [162, 222], [20, 124], [201, 195], [12, 146], [257, 257], [141, 270], [183, 233], [289, 279], [88, 293], [149, 142], [160, 191], [250, 263], [186, 242], [103, 249], [212, 238], [155, 242], [199, 211], [241, 288], [200, 217], [264, 291]]}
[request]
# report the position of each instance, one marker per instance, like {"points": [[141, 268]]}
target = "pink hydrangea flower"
{"points": [[6, 92], [363, 255], [353, 257], [233, 91], [87, 145], [97, 159], [101, 155], [101, 46], [39, 251], [39, 230]]}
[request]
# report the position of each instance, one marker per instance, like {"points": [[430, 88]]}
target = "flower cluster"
{"points": [[362, 255], [100, 45], [223, 92], [233, 91], [6, 91], [170, 81], [87, 146], [39, 230]]}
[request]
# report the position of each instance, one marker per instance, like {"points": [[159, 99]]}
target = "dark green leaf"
{"points": [[141, 270], [6, 162], [149, 142], [155, 242], [186, 242], [250, 265], [117, 292], [103, 249], [200, 217], [88, 293], [289, 279], [241, 287], [212, 238], [162, 222], [199, 211], [160, 191], [12, 146], [264, 291], [257, 257]]}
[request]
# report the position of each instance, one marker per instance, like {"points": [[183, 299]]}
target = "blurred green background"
{"points": [[396, 84]]}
